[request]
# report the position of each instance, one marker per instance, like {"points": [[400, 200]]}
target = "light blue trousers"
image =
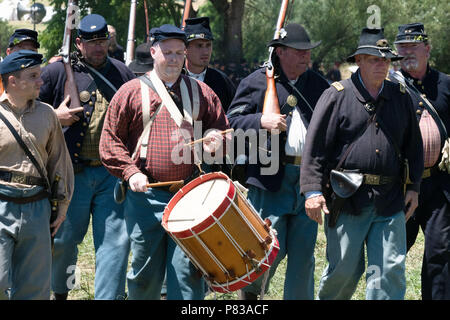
{"points": [[25, 253], [385, 240], [93, 196], [296, 235], [154, 252]]}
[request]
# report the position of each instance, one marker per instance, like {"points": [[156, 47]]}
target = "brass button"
{"points": [[84, 124], [88, 113], [93, 93], [419, 111], [419, 82], [91, 103], [82, 134], [377, 124], [76, 155], [78, 144], [421, 103], [377, 151]]}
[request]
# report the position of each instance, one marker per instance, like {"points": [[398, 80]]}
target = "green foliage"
{"points": [[5, 32], [116, 13], [337, 23]]}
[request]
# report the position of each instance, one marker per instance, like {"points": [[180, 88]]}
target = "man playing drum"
{"points": [[169, 95]]}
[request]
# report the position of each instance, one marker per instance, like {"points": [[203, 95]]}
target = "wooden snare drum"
{"points": [[220, 232]]}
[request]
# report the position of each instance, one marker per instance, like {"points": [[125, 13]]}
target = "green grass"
{"points": [[86, 264]]}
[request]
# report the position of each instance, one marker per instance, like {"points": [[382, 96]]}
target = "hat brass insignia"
{"points": [[85, 96], [382, 43], [291, 100]]}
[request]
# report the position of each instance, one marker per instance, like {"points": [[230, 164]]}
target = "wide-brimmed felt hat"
{"points": [[198, 28], [93, 27], [411, 32], [20, 35], [372, 42], [294, 36], [20, 60], [165, 32], [143, 61]]}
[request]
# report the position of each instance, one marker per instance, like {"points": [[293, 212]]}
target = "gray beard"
{"points": [[410, 65]]}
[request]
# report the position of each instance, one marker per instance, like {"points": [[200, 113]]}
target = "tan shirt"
{"points": [[40, 129]]}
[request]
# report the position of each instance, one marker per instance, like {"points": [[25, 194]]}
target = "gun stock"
{"points": [[271, 103], [187, 9], [70, 86]]}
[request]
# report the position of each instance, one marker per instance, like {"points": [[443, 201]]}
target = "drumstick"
{"points": [[202, 139], [180, 220], [207, 194], [164, 184]]}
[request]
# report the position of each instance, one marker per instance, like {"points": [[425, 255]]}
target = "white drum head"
{"points": [[197, 205]]}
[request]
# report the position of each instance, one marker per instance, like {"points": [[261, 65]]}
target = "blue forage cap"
{"points": [[165, 32], [411, 32], [93, 27], [20, 60], [20, 35], [198, 28]]}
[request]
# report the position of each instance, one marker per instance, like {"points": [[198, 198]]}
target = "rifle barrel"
{"points": [[131, 29]]}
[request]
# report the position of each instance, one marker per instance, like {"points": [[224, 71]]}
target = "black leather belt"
{"points": [[291, 160], [78, 167], [17, 177], [374, 179]]}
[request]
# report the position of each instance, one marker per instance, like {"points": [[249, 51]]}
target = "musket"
{"points": [[187, 9], [147, 26], [70, 86], [131, 29], [271, 104]]}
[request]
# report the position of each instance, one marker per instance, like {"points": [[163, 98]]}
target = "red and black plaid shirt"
{"points": [[123, 126]]}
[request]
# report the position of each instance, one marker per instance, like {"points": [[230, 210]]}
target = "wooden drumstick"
{"points": [[202, 139], [164, 184]]}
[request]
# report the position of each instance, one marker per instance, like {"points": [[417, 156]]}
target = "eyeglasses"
{"points": [[93, 43]]}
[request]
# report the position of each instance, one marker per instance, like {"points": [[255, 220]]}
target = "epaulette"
{"points": [[338, 86]]}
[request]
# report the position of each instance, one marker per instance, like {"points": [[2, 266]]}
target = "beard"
{"points": [[409, 63]]}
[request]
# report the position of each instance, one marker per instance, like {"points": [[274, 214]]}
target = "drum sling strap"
{"points": [[191, 112]]}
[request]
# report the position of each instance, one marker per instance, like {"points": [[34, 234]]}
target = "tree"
{"points": [[116, 13], [233, 12], [5, 32]]}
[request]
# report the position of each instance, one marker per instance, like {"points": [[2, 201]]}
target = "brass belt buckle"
{"points": [[426, 173], [298, 160], [18, 178], [372, 179]]}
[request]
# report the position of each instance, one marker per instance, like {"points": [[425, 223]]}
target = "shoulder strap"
{"points": [[146, 119], [25, 148], [166, 99], [412, 90]]}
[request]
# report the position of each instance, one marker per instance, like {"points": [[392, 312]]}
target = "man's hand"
{"points": [[213, 141], [67, 116], [57, 223], [273, 121], [411, 203], [314, 207], [138, 182]]}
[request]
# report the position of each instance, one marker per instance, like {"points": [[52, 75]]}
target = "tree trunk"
{"points": [[232, 23]]}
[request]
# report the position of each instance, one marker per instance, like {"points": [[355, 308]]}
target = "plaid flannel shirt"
{"points": [[123, 126]]}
